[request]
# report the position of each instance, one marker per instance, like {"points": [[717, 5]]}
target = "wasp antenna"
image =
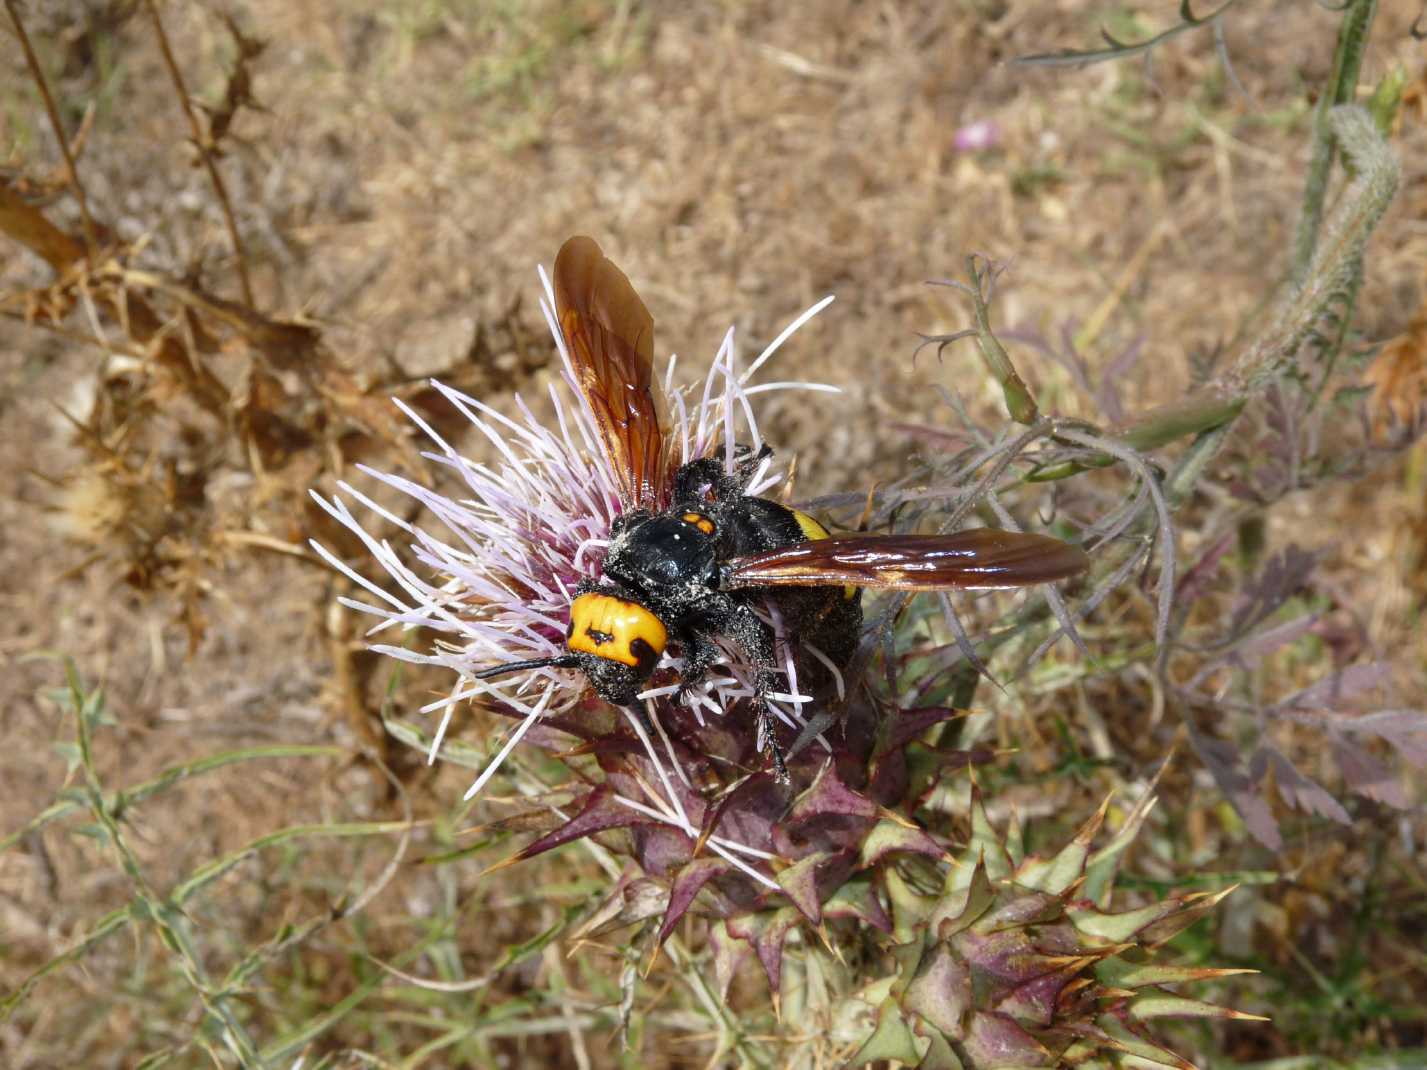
{"points": [[563, 661]]}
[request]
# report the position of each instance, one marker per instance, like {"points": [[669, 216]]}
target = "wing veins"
{"points": [[609, 335], [983, 558]]}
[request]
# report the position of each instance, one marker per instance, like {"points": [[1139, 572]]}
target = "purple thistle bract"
{"points": [[495, 576]]}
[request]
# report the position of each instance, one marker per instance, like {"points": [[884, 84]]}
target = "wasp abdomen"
{"points": [[812, 531], [810, 528], [616, 629]]}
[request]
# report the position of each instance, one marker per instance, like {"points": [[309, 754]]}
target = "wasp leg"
{"points": [[746, 462], [768, 730], [696, 475], [718, 613], [699, 653], [756, 638], [641, 715]]}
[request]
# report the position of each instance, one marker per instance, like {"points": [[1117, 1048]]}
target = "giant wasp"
{"points": [[692, 555]]}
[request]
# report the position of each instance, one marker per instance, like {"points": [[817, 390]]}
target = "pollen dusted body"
{"points": [[662, 581]]}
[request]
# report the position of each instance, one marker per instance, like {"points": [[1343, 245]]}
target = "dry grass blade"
{"points": [[204, 145], [37, 76]]}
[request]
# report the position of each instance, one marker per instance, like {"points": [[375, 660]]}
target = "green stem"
{"points": [[1335, 261], [1157, 428], [1341, 89], [1340, 338], [1193, 463], [1019, 402], [1333, 275]]}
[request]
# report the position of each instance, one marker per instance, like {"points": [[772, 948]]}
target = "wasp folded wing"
{"points": [[609, 335], [982, 558]]}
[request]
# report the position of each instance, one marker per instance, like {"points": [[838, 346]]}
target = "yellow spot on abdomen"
{"points": [[810, 527]]}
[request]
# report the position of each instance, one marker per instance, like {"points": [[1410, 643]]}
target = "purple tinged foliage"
{"points": [[1297, 790], [687, 884], [765, 933], [830, 797], [1405, 730], [800, 884], [888, 838], [1369, 777], [1199, 576], [994, 1039], [599, 811], [1282, 577], [1258, 646], [1332, 704], [941, 990], [1011, 966], [1337, 687], [1223, 762]]}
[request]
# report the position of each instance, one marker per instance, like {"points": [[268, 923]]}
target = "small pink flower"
{"points": [[980, 136]]}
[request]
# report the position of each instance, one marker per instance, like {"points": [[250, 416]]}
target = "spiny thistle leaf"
{"points": [[892, 1039], [1002, 973]]}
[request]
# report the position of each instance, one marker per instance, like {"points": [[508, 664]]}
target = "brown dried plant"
{"points": [[196, 392]]}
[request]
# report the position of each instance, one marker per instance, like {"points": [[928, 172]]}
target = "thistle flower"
{"points": [[854, 856], [494, 578]]}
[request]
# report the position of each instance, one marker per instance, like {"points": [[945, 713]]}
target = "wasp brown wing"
{"points": [[982, 558], [609, 335]]}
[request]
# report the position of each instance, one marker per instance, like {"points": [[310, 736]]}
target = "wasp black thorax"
{"points": [[658, 554]]}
